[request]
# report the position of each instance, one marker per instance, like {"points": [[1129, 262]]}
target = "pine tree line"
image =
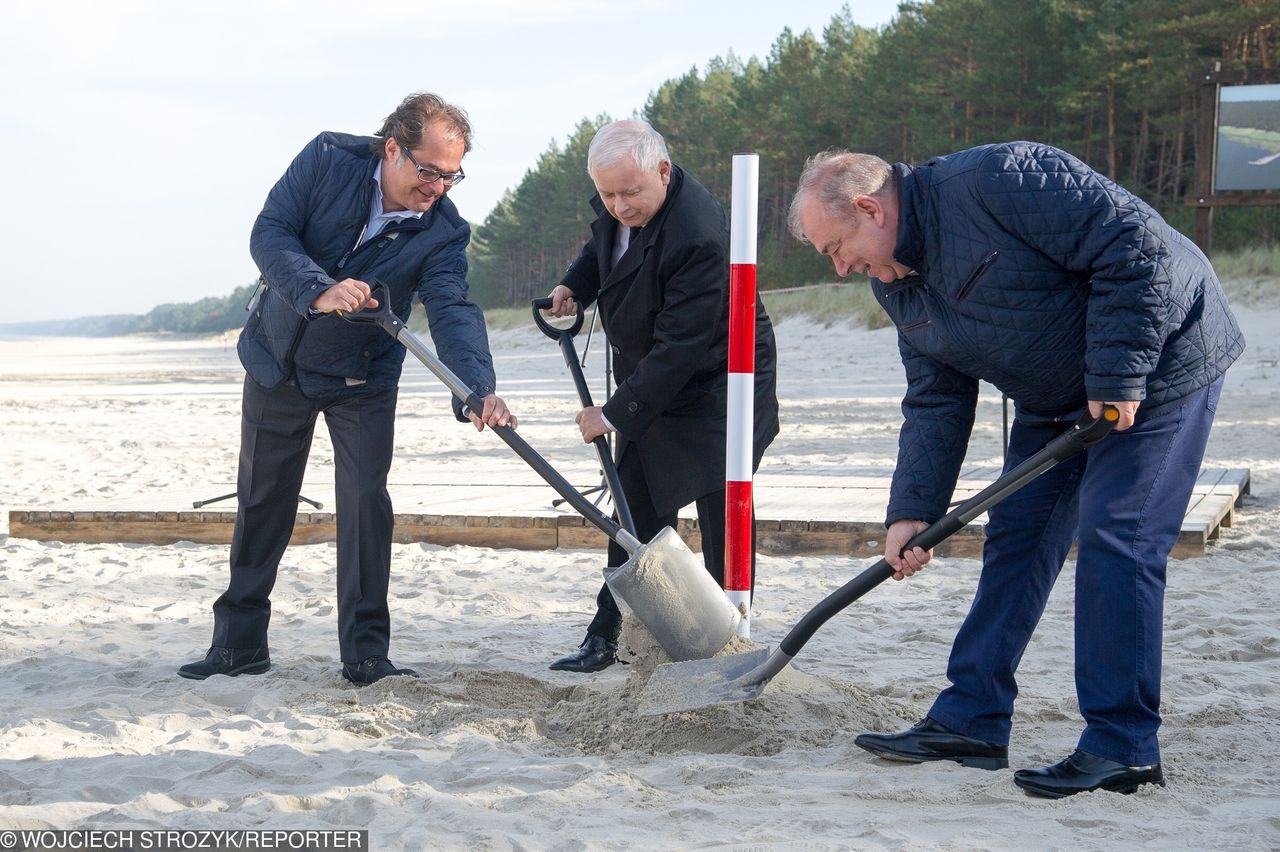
{"points": [[1112, 81]]}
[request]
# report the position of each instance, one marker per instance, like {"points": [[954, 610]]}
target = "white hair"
{"points": [[633, 137]]}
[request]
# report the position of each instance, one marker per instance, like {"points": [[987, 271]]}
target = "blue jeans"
{"points": [[1126, 496]]}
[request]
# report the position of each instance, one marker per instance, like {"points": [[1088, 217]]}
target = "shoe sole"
{"points": [[593, 670], [569, 667], [970, 762], [249, 669], [358, 682], [1124, 788]]}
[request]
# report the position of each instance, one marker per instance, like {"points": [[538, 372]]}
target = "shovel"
{"points": [[662, 582], [670, 605], [564, 337], [628, 584], [681, 686]]}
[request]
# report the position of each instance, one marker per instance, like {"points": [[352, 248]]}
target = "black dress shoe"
{"points": [[1083, 772], [373, 669], [227, 661], [928, 740], [595, 653]]}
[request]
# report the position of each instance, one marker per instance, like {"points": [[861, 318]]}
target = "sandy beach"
{"points": [[489, 749]]}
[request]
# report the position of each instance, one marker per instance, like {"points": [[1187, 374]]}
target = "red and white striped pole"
{"points": [[742, 367]]}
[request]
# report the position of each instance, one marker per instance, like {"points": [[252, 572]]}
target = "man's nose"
{"points": [[842, 268]]}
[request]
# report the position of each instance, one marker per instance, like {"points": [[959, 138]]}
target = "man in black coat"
{"points": [[658, 262]]}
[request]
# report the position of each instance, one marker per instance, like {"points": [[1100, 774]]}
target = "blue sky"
{"points": [[1232, 94], [139, 138]]}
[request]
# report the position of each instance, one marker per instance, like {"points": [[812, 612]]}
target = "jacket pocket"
{"points": [[1215, 391], [913, 326], [979, 271]]}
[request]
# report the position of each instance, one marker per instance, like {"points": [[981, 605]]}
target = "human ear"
{"points": [[867, 207]]}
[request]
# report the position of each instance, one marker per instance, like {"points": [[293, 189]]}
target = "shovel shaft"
{"points": [[607, 466], [564, 337], [763, 673], [1082, 434], [393, 326]]}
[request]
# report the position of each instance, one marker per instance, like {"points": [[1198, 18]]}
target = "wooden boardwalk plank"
{"points": [[798, 514]]}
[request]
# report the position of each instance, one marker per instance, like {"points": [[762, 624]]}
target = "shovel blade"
{"points": [[692, 685], [668, 588]]}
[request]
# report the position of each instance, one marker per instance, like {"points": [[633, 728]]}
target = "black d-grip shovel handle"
{"points": [[1082, 434], [564, 336], [392, 325], [543, 303]]}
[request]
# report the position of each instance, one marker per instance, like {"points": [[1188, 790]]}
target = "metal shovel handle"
{"points": [[564, 337], [1082, 434], [392, 325]]}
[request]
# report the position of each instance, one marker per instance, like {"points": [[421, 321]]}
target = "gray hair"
{"points": [[615, 141], [834, 178]]}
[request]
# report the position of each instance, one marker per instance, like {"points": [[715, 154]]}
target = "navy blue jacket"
{"points": [[1048, 280], [304, 242]]}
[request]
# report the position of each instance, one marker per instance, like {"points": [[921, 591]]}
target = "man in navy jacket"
{"points": [[1020, 265], [349, 211]]}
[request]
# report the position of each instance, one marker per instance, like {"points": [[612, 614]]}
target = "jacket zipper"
{"points": [[356, 245], [258, 288], [390, 231], [977, 273]]}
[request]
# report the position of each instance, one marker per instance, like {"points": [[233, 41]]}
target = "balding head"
{"points": [[833, 179]]}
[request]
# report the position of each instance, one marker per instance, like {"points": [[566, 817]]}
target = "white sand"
{"points": [[489, 749]]}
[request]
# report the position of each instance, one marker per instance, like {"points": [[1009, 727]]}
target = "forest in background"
{"points": [[1111, 81], [210, 315]]}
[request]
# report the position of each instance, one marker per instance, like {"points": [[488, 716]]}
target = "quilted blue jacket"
{"points": [[1037, 274], [304, 241]]}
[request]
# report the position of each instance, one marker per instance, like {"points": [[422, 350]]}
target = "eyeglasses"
{"points": [[427, 175]]}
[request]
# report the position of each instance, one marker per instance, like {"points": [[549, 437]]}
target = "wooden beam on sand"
{"points": [[795, 517]]}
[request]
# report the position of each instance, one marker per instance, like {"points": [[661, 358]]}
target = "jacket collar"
{"points": [[373, 191], [912, 186]]}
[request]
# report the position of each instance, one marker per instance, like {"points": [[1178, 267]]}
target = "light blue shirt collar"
{"points": [[377, 219]]}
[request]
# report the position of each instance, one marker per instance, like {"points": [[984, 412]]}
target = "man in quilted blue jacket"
{"points": [[1020, 265], [350, 211]]}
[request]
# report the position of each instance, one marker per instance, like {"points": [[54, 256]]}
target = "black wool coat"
{"points": [[664, 308]]}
